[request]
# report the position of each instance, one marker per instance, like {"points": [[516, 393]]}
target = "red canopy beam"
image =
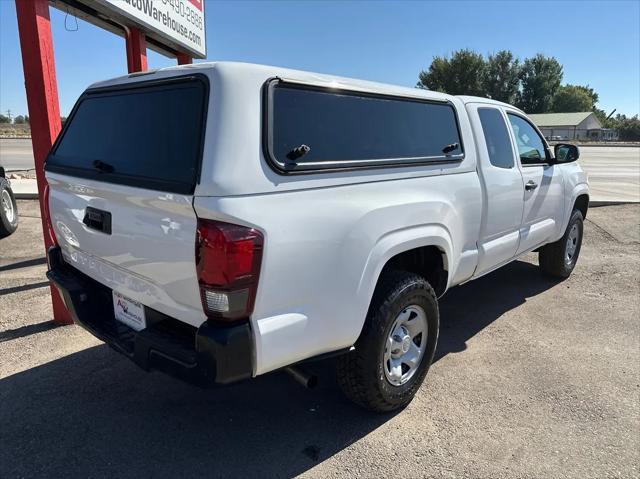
{"points": [[184, 59], [38, 64], [136, 50]]}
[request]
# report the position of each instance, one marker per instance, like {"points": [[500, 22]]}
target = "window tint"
{"points": [[530, 145], [496, 137], [353, 128], [148, 137]]}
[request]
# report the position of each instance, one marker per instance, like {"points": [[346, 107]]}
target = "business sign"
{"points": [[170, 25]]}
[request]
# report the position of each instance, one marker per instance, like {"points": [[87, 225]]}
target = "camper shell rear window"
{"points": [[309, 127], [148, 134]]}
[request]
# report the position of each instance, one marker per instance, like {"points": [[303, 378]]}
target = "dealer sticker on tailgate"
{"points": [[129, 312]]}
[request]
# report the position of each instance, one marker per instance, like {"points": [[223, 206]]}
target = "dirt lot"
{"points": [[532, 379]]}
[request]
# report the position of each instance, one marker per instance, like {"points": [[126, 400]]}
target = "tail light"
{"points": [[228, 261]]}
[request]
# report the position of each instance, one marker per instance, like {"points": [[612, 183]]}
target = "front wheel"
{"points": [[8, 210], [558, 259], [396, 346]]}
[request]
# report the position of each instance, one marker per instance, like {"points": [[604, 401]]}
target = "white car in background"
{"points": [[8, 207]]}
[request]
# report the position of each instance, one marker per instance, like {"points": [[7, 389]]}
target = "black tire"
{"points": [[554, 258], [361, 374], [7, 225]]}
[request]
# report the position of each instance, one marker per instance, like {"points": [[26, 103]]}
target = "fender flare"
{"points": [[399, 241], [579, 190]]}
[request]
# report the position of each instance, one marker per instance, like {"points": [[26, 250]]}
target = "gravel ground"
{"points": [[533, 378]]}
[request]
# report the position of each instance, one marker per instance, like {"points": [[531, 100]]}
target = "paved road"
{"points": [[614, 172], [532, 379], [16, 154]]}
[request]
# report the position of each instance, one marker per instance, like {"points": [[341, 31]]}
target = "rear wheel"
{"points": [[558, 259], [8, 211], [396, 347]]}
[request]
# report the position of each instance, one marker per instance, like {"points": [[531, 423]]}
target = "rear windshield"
{"points": [[318, 128], [150, 137]]}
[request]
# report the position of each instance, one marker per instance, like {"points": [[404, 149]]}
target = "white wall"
{"points": [[590, 123]]}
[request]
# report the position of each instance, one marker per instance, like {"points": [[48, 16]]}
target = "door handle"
{"points": [[97, 219], [531, 185]]}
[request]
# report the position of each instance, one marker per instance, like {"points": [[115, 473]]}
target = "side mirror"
{"points": [[566, 153]]}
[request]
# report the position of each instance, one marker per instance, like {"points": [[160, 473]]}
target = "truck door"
{"points": [[543, 186], [502, 190]]}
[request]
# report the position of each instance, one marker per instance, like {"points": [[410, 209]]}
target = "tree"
{"points": [[19, 120], [628, 128], [502, 77], [589, 91], [4, 119], [572, 98], [540, 77], [603, 118], [462, 74]]}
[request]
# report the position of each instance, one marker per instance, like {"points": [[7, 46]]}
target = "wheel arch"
{"points": [[426, 250], [581, 203], [578, 198], [426, 261]]}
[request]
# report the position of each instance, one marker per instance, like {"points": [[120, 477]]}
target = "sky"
{"points": [[597, 42]]}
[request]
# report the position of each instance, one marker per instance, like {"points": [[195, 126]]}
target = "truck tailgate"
{"points": [[149, 254], [121, 180]]}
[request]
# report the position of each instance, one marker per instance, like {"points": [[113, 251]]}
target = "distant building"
{"points": [[573, 126]]}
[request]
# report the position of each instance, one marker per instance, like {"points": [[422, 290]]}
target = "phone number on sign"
{"points": [[186, 11]]}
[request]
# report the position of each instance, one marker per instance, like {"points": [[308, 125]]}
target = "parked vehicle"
{"points": [[221, 221], [8, 207]]}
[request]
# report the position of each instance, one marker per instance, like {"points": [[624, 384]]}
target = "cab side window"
{"points": [[530, 145], [496, 136]]}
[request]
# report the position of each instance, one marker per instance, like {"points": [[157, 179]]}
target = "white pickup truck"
{"points": [[220, 221]]}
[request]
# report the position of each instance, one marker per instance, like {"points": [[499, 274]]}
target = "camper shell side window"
{"points": [[307, 128]]}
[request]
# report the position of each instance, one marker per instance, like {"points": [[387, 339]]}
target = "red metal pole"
{"points": [[184, 59], [136, 50], [44, 110]]}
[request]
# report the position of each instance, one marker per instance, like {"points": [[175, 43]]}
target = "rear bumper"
{"points": [[204, 356]]}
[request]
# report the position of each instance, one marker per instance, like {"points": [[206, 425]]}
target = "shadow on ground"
{"points": [[93, 413]]}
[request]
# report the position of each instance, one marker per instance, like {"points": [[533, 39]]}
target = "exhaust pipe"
{"points": [[308, 380]]}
